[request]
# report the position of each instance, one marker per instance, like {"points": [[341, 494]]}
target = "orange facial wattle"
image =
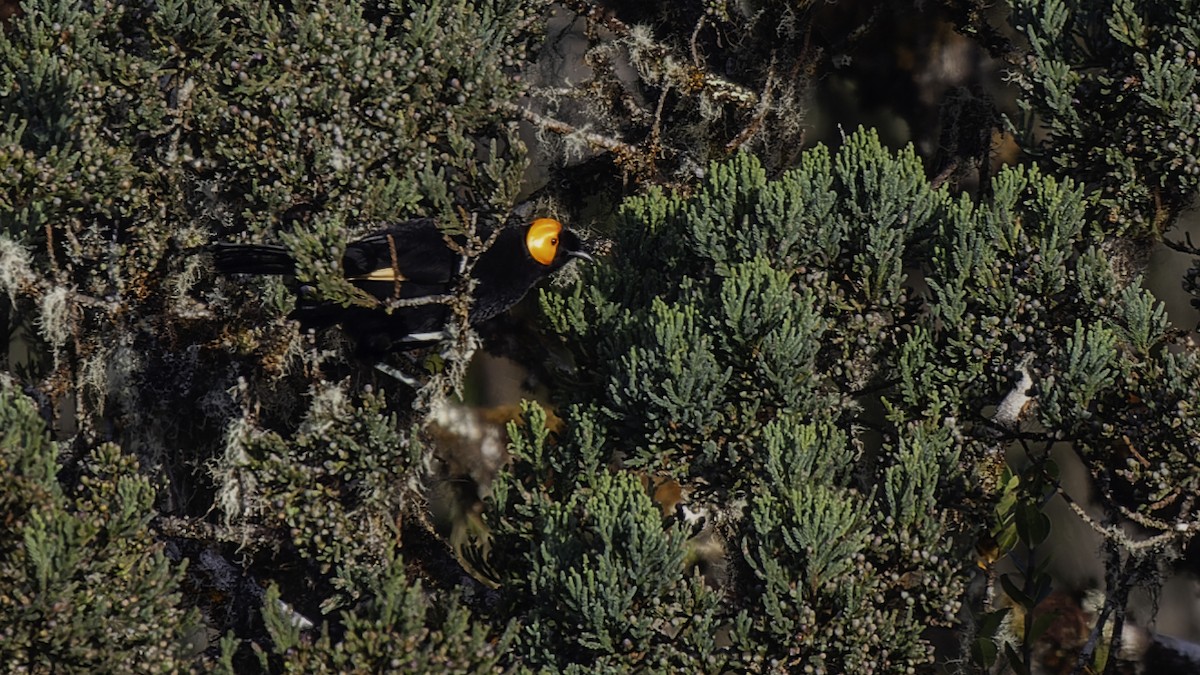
{"points": [[542, 239]]}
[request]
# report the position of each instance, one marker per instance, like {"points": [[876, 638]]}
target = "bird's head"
{"points": [[552, 245]]}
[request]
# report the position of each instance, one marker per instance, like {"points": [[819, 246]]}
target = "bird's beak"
{"points": [[581, 255]]}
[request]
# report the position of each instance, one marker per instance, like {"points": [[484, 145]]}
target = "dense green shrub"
{"points": [[759, 342], [1114, 88], [84, 585]]}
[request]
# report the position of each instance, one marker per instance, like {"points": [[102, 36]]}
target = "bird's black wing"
{"points": [[407, 260]]}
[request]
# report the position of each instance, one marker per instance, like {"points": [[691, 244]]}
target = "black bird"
{"points": [[414, 259]]}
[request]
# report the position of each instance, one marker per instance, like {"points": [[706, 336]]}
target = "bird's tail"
{"points": [[252, 259]]}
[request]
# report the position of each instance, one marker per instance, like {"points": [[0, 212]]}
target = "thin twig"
{"points": [[760, 113], [396, 303], [1188, 248], [564, 129], [200, 530], [1118, 536]]}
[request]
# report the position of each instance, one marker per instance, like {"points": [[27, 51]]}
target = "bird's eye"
{"points": [[542, 239]]}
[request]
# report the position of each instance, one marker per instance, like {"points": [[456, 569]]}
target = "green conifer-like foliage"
{"points": [[588, 565], [393, 627], [1114, 87], [727, 348], [328, 484], [760, 341], [84, 585]]}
